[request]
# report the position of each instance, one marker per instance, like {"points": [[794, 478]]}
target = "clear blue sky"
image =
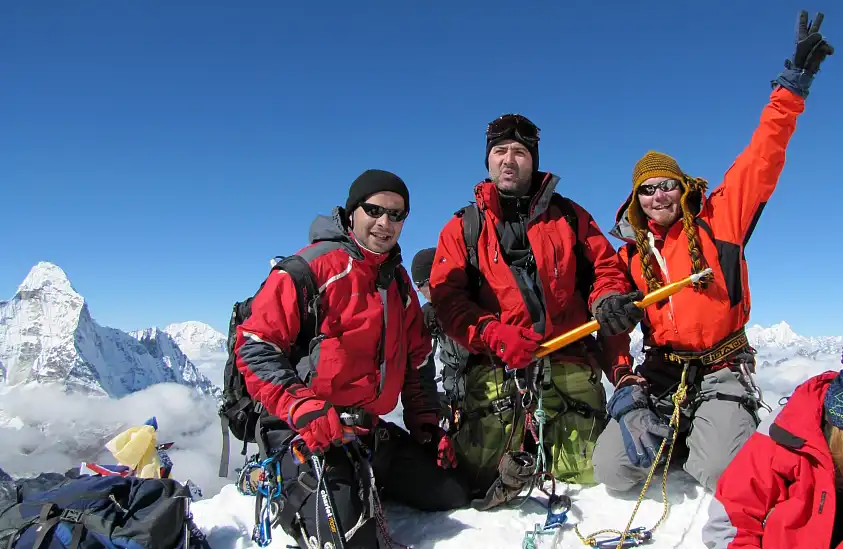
{"points": [[161, 152]]}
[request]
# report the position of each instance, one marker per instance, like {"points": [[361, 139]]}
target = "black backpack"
{"points": [[239, 413], [472, 224], [93, 512]]}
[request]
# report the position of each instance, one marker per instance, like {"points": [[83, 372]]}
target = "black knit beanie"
{"points": [[422, 265], [375, 181]]}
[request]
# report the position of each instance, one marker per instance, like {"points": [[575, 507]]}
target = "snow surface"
{"points": [[47, 335], [64, 429]]}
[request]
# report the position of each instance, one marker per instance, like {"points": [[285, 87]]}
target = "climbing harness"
{"points": [[632, 537]]}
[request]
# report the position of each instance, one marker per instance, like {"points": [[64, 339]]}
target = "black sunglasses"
{"points": [[666, 186], [513, 124], [375, 211]]}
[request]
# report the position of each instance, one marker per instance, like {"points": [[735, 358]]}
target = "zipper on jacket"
{"points": [[382, 345], [555, 263], [822, 503]]}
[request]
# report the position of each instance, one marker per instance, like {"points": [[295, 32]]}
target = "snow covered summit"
{"points": [[47, 335]]}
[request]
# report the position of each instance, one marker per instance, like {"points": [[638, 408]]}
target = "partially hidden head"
{"points": [[377, 205], [833, 418], [512, 153], [663, 193], [420, 270]]}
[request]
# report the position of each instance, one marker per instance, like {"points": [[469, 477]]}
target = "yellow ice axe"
{"points": [[580, 332]]}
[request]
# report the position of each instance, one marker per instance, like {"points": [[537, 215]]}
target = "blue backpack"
{"points": [[94, 512]]}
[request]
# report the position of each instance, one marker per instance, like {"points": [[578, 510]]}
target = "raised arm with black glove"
{"points": [[811, 50]]}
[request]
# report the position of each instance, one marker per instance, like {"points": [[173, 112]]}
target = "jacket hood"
{"points": [[623, 229], [488, 197], [330, 228], [799, 424]]}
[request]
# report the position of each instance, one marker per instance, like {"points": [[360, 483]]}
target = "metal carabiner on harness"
{"points": [[750, 380], [557, 518]]}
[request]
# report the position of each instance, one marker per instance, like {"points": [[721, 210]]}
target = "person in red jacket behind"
{"points": [[783, 489], [370, 347], [673, 230], [543, 267]]}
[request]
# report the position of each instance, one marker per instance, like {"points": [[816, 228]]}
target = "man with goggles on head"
{"points": [[522, 266], [368, 348], [673, 230]]}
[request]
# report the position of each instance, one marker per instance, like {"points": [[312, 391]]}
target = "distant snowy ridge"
{"points": [[197, 339], [47, 335], [203, 345], [162, 346], [778, 342]]}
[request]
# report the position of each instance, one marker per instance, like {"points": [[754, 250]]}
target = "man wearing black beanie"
{"points": [[327, 386], [378, 202]]}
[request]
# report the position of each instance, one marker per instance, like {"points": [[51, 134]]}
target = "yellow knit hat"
{"points": [[656, 164], [652, 164]]}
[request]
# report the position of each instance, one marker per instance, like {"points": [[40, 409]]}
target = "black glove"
{"points": [[618, 314], [811, 50]]}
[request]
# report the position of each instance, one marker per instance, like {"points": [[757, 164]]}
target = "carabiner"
{"points": [[635, 537], [557, 511]]}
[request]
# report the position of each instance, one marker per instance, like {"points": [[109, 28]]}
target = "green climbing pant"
{"points": [[492, 422]]}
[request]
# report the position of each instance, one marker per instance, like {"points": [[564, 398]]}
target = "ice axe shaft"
{"points": [[653, 297]]}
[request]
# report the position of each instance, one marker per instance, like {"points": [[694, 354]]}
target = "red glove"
{"points": [[446, 458], [433, 434], [319, 424], [515, 345]]}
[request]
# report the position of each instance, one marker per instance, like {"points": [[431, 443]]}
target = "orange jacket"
{"points": [[499, 297], [693, 320]]}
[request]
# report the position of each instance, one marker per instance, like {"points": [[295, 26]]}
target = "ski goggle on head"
{"points": [[513, 125], [666, 186], [375, 211]]}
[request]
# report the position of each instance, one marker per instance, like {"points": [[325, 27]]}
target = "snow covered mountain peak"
{"points": [[778, 335], [46, 276], [205, 346], [197, 338], [47, 335]]}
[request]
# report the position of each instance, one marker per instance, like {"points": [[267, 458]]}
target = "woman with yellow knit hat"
{"points": [[673, 230]]}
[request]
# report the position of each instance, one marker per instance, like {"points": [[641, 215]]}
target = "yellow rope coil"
{"points": [[678, 398]]}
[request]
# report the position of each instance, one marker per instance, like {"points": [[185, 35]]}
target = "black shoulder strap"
{"points": [[585, 268], [472, 222], [403, 288], [569, 213], [307, 295]]}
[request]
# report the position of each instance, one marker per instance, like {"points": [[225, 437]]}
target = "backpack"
{"points": [[239, 413], [472, 225], [93, 512]]}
